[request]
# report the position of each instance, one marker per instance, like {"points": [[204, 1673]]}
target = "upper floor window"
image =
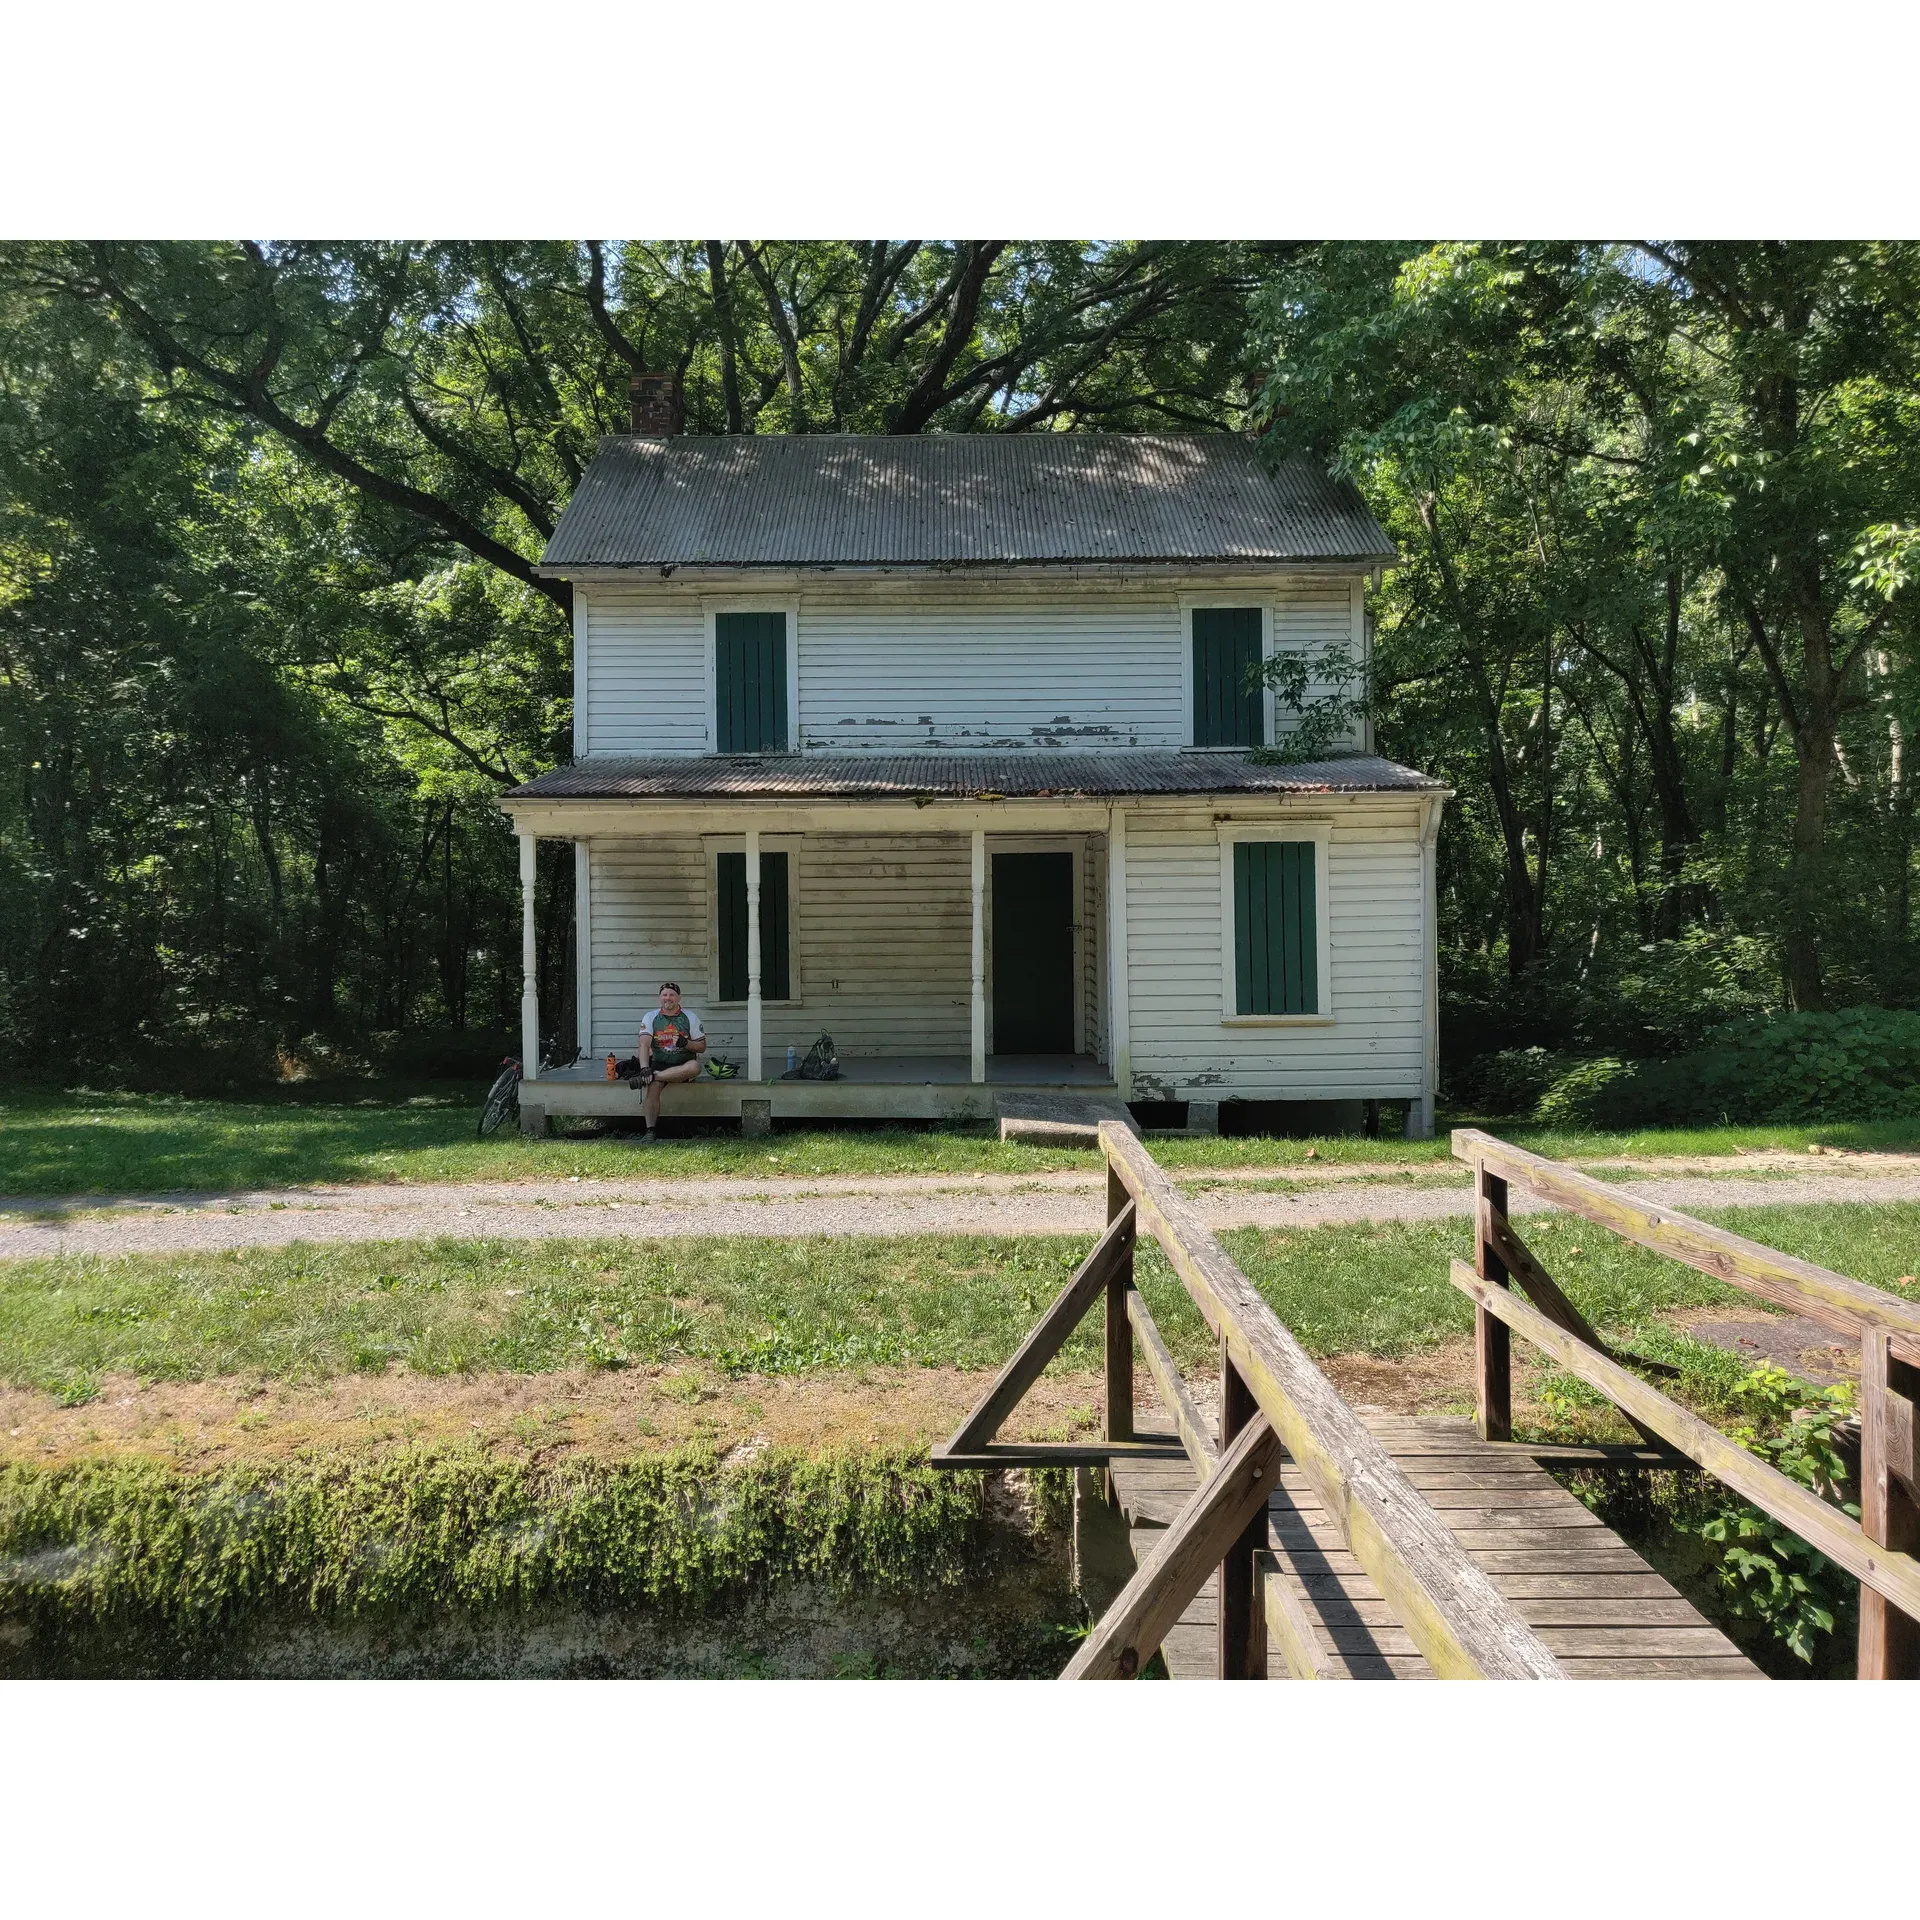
{"points": [[1229, 702], [750, 665]]}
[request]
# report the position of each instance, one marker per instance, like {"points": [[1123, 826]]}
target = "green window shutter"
{"points": [[1276, 935], [775, 971], [750, 682], [1228, 704]]}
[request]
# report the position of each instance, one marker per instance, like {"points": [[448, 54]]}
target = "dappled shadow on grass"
{"points": [[150, 1144], [73, 1144]]}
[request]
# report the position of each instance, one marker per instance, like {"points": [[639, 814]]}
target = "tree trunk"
{"points": [[1525, 912], [723, 326], [1806, 876]]}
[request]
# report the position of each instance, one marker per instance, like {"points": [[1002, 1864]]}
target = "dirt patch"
{"points": [[216, 1423], [1804, 1348], [640, 1410], [1439, 1380]]}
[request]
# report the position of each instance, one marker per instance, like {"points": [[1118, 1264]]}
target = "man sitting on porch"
{"points": [[671, 1044]]}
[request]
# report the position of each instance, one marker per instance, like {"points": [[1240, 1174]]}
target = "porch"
{"points": [[948, 960]]}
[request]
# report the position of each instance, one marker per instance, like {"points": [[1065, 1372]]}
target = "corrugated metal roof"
{"points": [[959, 776], [955, 500]]}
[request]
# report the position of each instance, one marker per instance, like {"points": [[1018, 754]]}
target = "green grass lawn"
{"points": [[789, 1306], [79, 1143]]}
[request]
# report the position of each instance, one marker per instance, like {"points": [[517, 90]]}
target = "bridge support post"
{"points": [[1242, 1620], [1889, 1499], [1492, 1342], [1119, 1424]]}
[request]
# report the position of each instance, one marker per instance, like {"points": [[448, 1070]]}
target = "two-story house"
{"points": [[947, 746]]}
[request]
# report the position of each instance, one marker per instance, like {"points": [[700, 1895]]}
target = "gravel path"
{"points": [[1067, 1203]]}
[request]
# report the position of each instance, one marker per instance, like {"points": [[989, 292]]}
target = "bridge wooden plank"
{"points": [[1639, 1611], [1592, 1600], [1651, 1667]]}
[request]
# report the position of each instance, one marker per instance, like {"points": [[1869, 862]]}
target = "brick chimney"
{"points": [[656, 405]]}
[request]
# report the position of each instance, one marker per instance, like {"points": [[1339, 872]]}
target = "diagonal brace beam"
{"points": [[1544, 1291], [1048, 1336], [1126, 1636]]}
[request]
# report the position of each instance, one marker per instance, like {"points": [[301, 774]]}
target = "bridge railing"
{"points": [[1878, 1549], [1274, 1401]]}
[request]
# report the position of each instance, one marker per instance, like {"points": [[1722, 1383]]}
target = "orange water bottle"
{"points": [[611, 1075]]}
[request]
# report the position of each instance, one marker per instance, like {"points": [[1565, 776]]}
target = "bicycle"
{"points": [[503, 1097]]}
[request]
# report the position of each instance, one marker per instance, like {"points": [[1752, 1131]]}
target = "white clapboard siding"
{"points": [[971, 669], [960, 665], [880, 949], [649, 899], [642, 684], [886, 931], [1373, 1048]]}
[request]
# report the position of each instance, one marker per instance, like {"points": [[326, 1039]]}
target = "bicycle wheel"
{"points": [[503, 1098]]}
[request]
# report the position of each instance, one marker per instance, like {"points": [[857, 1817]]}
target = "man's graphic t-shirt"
{"points": [[671, 1032]]}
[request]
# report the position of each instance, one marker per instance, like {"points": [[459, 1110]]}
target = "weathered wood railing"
{"points": [[1879, 1549], [1272, 1398]]}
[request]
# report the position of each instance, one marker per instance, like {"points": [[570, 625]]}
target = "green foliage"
{"points": [[434, 1528], [1767, 1573], [271, 636], [1576, 1094], [1321, 698], [272, 639], [1510, 1081], [1655, 619], [1859, 1064]]}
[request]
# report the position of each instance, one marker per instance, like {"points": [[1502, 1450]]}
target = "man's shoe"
{"points": [[648, 1139]]}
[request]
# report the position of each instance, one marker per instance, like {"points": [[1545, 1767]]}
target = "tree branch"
{"points": [[927, 396]]}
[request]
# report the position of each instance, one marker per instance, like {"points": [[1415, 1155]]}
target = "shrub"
{"points": [[1860, 1064], [1578, 1096], [1510, 1081]]}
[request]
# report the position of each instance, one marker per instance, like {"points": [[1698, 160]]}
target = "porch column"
{"points": [[583, 945], [753, 953], [529, 965], [977, 1051], [1119, 1043]]}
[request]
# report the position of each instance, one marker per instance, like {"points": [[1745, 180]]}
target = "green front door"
{"points": [[1033, 953]]}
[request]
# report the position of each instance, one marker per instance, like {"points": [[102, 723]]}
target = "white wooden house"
{"points": [[945, 746]]}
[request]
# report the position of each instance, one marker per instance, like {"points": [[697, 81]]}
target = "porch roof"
{"points": [[962, 776]]}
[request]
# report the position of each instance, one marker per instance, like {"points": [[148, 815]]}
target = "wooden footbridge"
{"points": [[1294, 1539]]}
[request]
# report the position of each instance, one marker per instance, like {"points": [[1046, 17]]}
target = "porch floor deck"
{"points": [[880, 1086]]}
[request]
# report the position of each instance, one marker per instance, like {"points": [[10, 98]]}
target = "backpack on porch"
{"points": [[821, 1063]]}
